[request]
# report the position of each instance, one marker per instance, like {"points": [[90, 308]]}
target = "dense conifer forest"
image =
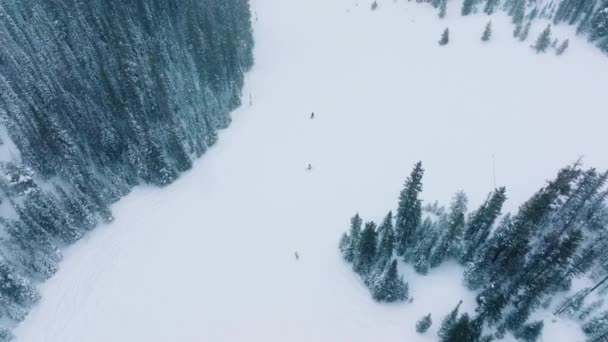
{"points": [[97, 97]]}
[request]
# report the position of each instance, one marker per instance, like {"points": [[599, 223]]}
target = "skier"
{"points": [[309, 167], [297, 255], [312, 115]]}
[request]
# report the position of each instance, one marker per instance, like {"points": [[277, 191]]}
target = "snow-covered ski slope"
{"points": [[211, 257]]}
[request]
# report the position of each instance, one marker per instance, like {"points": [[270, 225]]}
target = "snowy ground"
{"points": [[210, 258]]}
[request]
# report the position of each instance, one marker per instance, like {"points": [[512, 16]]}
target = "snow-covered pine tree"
{"points": [[490, 304], [389, 287], [490, 6], [467, 7], [464, 329], [456, 221], [366, 250], [448, 321], [452, 227], [596, 328], [590, 309], [530, 332], [443, 4], [487, 32], [480, 223], [386, 238], [5, 335], [523, 35], [424, 324], [561, 48], [409, 211], [543, 41], [518, 11], [349, 247], [445, 37], [422, 252]]}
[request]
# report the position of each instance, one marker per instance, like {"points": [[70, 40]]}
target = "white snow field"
{"points": [[211, 257]]}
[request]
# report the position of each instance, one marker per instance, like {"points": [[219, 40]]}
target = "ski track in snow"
{"points": [[211, 257]]}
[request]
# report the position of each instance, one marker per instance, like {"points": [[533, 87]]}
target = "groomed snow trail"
{"points": [[211, 257]]}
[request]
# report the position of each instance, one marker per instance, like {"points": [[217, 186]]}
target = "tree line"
{"points": [[517, 263]]}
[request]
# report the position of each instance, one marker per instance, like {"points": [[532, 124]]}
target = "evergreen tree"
{"points": [[349, 245], [5, 335], [530, 332], [543, 41], [491, 303], [490, 6], [487, 32], [422, 253], [366, 250], [518, 11], [598, 27], [424, 324], [563, 46], [456, 224], [525, 32], [386, 235], [445, 37], [464, 329], [374, 5], [591, 309], [597, 327], [517, 30], [409, 212], [467, 7], [389, 287], [441, 251], [448, 322], [452, 228], [443, 5], [480, 223]]}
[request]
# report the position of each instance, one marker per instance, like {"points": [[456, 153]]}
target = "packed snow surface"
{"points": [[211, 257]]}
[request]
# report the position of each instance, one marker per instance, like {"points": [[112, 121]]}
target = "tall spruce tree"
{"points": [[467, 7], [487, 32], [523, 35], [443, 4], [386, 238], [447, 322], [464, 329], [350, 242], [518, 11], [562, 48], [530, 332], [424, 324], [366, 250], [409, 212], [389, 287], [452, 227], [480, 223], [543, 41], [490, 6], [445, 37]]}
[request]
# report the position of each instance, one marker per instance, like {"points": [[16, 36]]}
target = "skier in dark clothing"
{"points": [[297, 255], [312, 115]]}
